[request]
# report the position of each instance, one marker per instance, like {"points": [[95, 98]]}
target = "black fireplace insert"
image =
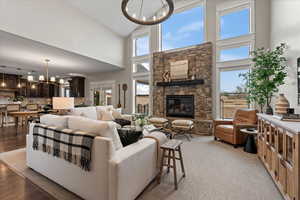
{"points": [[180, 106]]}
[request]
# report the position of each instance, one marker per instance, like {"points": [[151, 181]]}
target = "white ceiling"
{"points": [[18, 52], [109, 13]]}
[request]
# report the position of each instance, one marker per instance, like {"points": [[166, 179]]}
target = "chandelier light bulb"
{"points": [[61, 81], [126, 9], [134, 15], [144, 18], [164, 13], [154, 18]]}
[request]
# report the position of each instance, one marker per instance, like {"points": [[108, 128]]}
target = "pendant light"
{"points": [[3, 84], [19, 83], [52, 79], [41, 78], [30, 77]]}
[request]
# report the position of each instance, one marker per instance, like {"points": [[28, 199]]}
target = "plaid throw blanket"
{"points": [[73, 146]]}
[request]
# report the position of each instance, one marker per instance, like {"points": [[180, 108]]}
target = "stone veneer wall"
{"points": [[200, 64]]}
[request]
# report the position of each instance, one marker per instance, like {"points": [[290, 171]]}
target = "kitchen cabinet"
{"points": [[77, 87]]}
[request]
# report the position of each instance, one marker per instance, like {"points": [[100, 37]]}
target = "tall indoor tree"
{"points": [[267, 74]]}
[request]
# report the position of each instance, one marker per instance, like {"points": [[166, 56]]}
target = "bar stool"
{"points": [[168, 154], [30, 107], [11, 108]]}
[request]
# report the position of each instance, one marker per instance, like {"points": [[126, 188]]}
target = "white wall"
{"points": [[285, 27], [120, 77], [58, 24]]}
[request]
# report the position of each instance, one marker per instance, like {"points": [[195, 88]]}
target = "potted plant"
{"points": [[268, 73], [17, 99], [140, 120]]}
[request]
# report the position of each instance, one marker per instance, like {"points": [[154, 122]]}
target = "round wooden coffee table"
{"points": [[250, 144]]}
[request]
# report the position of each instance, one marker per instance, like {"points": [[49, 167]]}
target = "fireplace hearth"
{"points": [[180, 106]]}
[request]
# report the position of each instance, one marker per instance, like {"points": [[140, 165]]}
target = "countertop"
{"points": [[293, 127]]}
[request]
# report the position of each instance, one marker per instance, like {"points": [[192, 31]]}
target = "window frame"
{"points": [[134, 79], [231, 7], [144, 59], [146, 32], [182, 7], [233, 45], [234, 42], [218, 83]]}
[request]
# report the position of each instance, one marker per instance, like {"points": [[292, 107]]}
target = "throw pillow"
{"points": [[54, 120], [129, 136], [101, 128], [107, 115], [116, 114], [122, 122]]}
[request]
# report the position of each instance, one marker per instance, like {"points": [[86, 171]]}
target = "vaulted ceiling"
{"points": [[108, 12]]}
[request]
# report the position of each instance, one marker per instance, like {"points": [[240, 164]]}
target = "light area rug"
{"points": [[214, 171]]}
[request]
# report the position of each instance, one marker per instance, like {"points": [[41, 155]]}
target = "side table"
{"points": [[250, 144]]}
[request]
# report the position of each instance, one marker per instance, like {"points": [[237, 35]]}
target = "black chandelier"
{"points": [[166, 10]]}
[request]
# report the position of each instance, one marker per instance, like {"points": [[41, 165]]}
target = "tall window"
{"points": [[141, 67], [236, 23], [232, 92], [235, 40], [231, 54], [183, 29], [141, 71], [142, 92], [141, 46]]}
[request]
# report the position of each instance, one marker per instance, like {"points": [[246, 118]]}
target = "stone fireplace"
{"points": [[180, 106], [185, 99]]}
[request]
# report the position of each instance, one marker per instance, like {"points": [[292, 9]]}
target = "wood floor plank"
{"points": [[13, 186]]}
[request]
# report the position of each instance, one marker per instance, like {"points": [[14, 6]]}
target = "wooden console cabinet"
{"points": [[278, 149]]}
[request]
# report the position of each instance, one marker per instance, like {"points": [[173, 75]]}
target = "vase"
{"points": [[281, 105]]}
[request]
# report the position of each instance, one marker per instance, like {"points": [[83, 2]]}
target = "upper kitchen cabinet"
{"points": [[77, 87]]}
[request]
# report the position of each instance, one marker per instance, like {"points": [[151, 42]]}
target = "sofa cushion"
{"points": [[89, 112], [116, 113], [107, 115], [100, 109], [101, 128], [54, 120], [228, 129]]}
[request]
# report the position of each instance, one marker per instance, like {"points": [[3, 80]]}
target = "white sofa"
{"points": [[92, 112], [115, 174]]}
